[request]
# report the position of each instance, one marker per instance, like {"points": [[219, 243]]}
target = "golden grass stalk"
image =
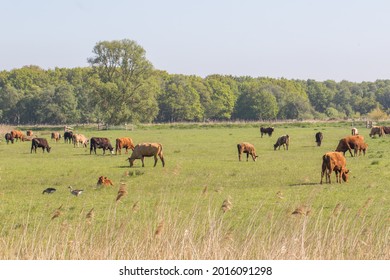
{"points": [[121, 192], [57, 213], [226, 205]]}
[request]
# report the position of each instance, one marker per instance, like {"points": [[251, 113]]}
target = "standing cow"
{"points": [[100, 143], [68, 137], [147, 150], [334, 161], [56, 136], [319, 138], [80, 139], [282, 141], [39, 143], [9, 138], [126, 143], [247, 149], [266, 130]]}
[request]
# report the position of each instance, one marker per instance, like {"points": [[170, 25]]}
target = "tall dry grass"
{"points": [[166, 233]]}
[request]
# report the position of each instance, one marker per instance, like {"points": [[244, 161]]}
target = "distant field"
{"points": [[175, 212]]}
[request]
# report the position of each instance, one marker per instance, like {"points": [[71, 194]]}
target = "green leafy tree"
{"points": [[123, 89]]}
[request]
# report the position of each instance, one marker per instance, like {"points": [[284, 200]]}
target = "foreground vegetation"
{"points": [[204, 204]]}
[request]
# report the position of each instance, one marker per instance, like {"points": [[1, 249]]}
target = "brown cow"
{"points": [[334, 161], [360, 147], [126, 143], [17, 134], [248, 149], [147, 150], [56, 136], [282, 141], [29, 133], [103, 180], [40, 143], [377, 130], [80, 139], [350, 142]]}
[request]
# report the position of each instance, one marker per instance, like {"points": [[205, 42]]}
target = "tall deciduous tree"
{"points": [[124, 89]]}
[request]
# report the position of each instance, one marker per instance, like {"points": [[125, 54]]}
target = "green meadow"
{"points": [[204, 204]]}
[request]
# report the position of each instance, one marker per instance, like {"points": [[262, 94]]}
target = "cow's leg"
{"points": [[162, 159], [155, 160], [247, 156], [142, 159]]}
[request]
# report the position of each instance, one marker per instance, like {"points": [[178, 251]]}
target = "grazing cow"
{"points": [[68, 137], [39, 143], [334, 161], [283, 140], [103, 180], [126, 143], [354, 131], [8, 137], [319, 138], [29, 133], [248, 149], [80, 139], [266, 130], [56, 136], [350, 142], [147, 150], [100, 143], [377, 130], [17, 134]]}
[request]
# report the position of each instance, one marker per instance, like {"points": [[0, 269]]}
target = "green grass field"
{"points": [[175, 212]]}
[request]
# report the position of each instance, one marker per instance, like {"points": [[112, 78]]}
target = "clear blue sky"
{"points": [[294, 39]]}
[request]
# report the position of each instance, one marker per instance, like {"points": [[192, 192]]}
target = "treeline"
{"points": [[121, 86]]}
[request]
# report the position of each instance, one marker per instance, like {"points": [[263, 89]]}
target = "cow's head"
{"points": [[344, 174], [131, 161], [48, 149]]}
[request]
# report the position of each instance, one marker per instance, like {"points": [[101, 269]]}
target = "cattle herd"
{"points": [[140, 151], [333, 161]]}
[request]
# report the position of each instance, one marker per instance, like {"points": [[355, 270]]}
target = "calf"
{"points": [[103, 180], [126, 143], [147, 150], [248, 149], [266, 130], [354, 131], [39, 143], [319, 138], [56, 136], [334, 161], [100, 143], [80, 139], [282, 141]]}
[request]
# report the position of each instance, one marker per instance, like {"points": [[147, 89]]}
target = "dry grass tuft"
{"points": [[135, 207], [90, 216], [159, 229], [121, 192], [226, 205], [57, 213], [302, 210]]}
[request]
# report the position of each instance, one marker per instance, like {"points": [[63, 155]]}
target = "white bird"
{"points": [[75, 192]]}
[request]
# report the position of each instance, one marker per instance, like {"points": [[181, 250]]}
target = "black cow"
{"points": [[68, 136], [319, 138], [9, 137], [100, 143], [386, 129], [283, 140], [266, 130], [39, 143]]}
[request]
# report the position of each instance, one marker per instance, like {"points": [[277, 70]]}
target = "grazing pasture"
{"points": [[204, 204]]}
